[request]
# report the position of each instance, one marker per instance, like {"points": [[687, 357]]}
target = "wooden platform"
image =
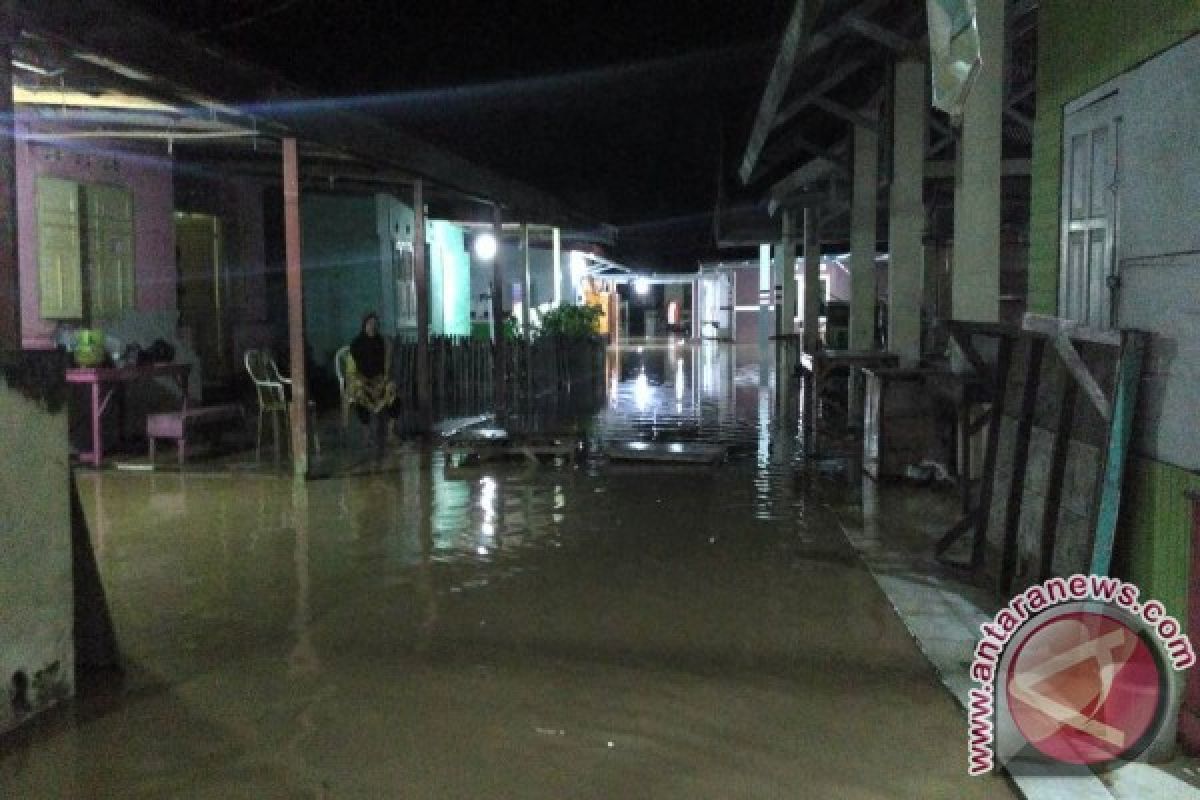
{"points": [[495, 444], [666, 452]]}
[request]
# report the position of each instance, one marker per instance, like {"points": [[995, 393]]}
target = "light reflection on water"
{"points": [[413, 632]]}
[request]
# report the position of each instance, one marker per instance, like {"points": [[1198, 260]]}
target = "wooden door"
{"points": [[203, 292]]}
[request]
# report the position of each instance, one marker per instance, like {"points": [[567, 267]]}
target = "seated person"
{"points": [[369, 386]]}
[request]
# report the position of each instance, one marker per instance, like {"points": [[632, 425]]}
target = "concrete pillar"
{"points": [[295, 295], [10, 292], [975, 283], [785, 266], [906, 223], [812, 280], [421, 285], [556, 255], [863, 227]]}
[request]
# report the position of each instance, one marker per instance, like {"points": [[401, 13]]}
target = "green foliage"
{"points": [[571, 322]]}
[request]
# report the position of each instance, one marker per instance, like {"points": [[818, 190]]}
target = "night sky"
{"points": [[619, 108]]}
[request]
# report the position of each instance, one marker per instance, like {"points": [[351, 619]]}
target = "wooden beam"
{"points": [[799, 178], [877, 33], [1020, 463], [1018, 117], [189, 68], [1082, 376], [1053, 326], [795, 41], [793, 144], [1054, 480], [295, 311], [843, 71], [10, 287], [846, 113]]}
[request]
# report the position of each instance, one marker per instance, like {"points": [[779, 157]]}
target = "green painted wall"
{"points": [[1157, 525], [1081, 45], [449, 279], [342, 278]]}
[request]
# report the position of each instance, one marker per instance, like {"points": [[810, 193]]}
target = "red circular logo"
{"points": [[1085, 688]]}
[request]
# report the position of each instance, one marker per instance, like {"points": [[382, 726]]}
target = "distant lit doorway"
{"points": [[204, 292]]}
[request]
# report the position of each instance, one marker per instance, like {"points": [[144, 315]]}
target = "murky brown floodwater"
{"points": [[507, 632]]}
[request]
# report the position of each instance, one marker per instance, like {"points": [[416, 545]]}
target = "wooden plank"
{"points": [[840, 73], [844, 112], [967, 346], [1082, 375], [666, 452], [1054, 480], [1016, 486], [1053, 326], [805, 174], [1129, 376], [10, 294], [991, 453], [878, 33]]}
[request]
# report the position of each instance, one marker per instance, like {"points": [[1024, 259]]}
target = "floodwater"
{"points": [[507, 631]]}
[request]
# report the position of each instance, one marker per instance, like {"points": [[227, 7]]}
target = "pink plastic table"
{"points": [[105, 380]]}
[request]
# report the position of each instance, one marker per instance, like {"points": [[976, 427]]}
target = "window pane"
{"points": [[1080, 175], [1101, 172]]}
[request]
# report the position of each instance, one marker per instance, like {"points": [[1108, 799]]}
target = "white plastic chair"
{"points": [[269, 386], [272, 399]]}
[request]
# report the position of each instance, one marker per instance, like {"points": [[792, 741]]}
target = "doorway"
{"points": [[203, 292]]}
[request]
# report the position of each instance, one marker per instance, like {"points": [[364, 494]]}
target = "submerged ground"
{"points": [[587, 631]]}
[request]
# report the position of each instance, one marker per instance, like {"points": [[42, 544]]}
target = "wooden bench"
{"points": [[179, 425]]}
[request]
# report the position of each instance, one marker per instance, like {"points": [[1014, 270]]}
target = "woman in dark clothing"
{"points": [[368, 378]]}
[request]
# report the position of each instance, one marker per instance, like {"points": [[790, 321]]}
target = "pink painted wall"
{"points": [[148, 174]]}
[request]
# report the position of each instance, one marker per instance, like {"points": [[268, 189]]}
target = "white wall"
{"points": [[36, 587], [1158, 243]]}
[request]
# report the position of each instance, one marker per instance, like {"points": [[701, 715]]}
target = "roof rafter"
{"points": [[801, 177], [796, 37]]}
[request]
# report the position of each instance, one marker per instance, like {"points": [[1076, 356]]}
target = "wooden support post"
{"points": [[10, 290], [500, 352], [421, 281], [295, 295], [1128, 379], [1020, 460]]}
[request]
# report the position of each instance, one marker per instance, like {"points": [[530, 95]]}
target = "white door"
{"points": [[1091, 137]]}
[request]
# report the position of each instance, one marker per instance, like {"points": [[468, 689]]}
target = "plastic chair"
{"points": [[272, 399], [343, 363], [271, 388]]}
